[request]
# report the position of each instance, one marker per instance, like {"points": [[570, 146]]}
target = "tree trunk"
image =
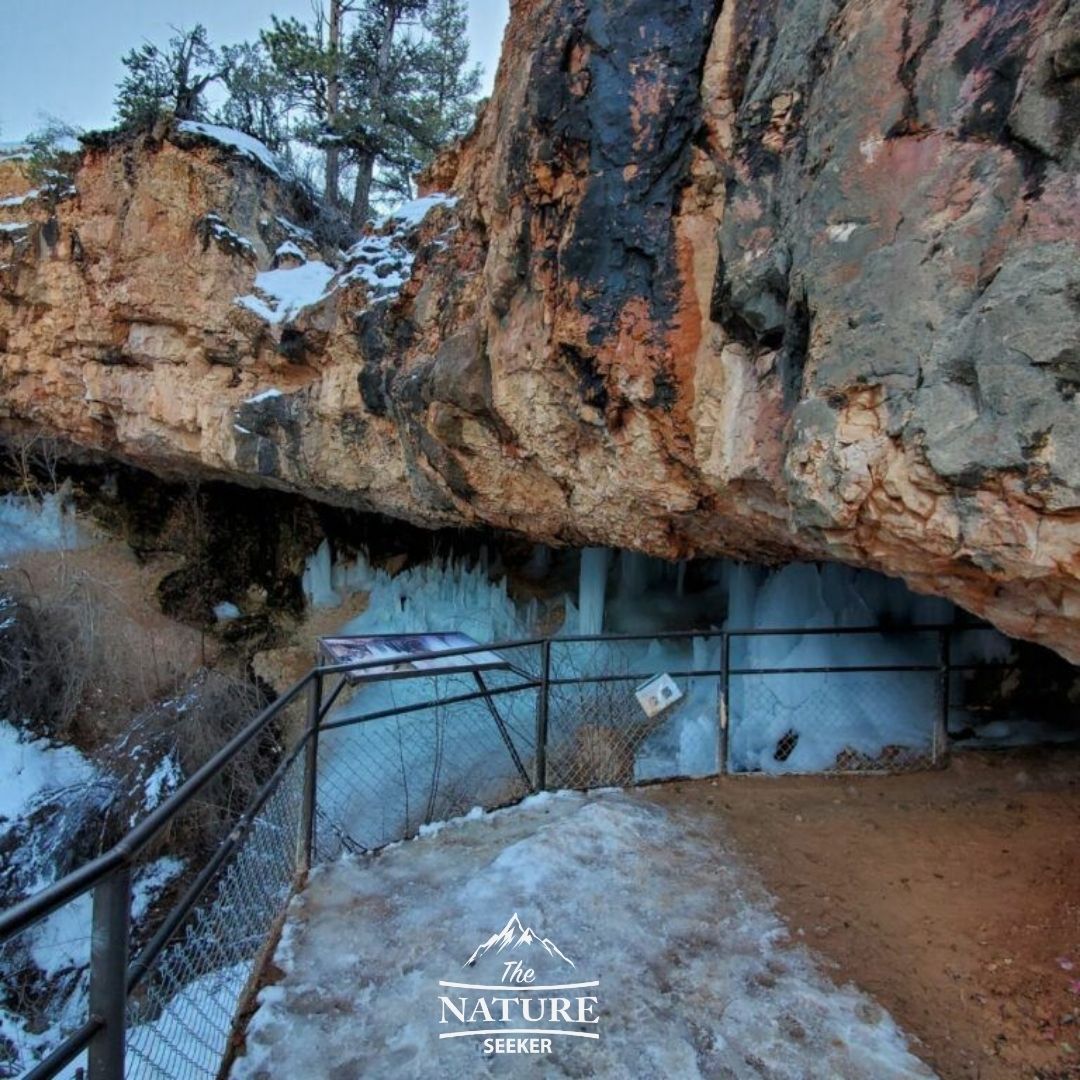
{"points": [[333, 100], [361, 204], [365, 160]]}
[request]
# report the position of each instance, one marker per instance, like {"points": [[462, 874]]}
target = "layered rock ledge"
{"points": [[779, 279]]}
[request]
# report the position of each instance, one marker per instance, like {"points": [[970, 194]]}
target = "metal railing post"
{"points": [[311, 775], [941, 723], [108, 974], [540, 770], [725, 710]]}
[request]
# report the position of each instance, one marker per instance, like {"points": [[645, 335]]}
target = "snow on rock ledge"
{"points": [[381, 261], [284, 293], [235, 140]]}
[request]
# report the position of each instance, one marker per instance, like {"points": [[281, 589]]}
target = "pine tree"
{"points": [[308, 62], [450, 86], [383, 72], [256, 101], [173, 79]]}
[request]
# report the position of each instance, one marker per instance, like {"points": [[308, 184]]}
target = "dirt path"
{"points": [[953, 898]]}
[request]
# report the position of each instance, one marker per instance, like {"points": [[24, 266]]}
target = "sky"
{"points": [[62, 57]]}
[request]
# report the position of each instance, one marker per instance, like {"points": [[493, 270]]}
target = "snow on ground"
{"points": [[288, 291], [31, 767], [695, 980], [235, 140]]}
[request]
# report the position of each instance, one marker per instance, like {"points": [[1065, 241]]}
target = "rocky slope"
{"points": [[772, 278]]}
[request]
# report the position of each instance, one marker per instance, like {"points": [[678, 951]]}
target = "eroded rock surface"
{"points": [[770, 278]]}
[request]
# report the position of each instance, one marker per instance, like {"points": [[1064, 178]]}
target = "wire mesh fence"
{"points": [[833, 722], [835, 701], [181, 1014], [387, 752], [600, 732], [400, 754]]}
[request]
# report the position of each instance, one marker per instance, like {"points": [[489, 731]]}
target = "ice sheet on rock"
{"points": [[32, 524], [14, 226], [285, 293], [695, 982], [236, 140]]}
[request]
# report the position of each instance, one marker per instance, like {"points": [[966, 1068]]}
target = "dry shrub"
{"points": [[179, 735], [73, 665]]}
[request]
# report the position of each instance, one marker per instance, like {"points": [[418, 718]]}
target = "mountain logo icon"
{"points": [[515, 936]]}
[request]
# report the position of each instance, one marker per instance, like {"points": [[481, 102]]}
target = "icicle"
{"points": [[633, 574], [592, 586]]}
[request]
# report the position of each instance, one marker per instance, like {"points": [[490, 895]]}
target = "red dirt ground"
{"points": [[952, 897]]}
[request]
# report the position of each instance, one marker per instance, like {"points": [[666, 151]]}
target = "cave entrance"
{"points": [[803, 668]]}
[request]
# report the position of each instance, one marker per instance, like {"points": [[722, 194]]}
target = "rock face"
{"points": [[770, 278]]}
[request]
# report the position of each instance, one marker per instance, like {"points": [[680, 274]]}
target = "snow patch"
{"points": [[264, 395], [288, 291], [295, 231], [20, 200], [235, 140], [221, 231], [840, 234], [14, 226], [289, 250], [410, 214], [694, 981], [30, 768], [150, 882]]}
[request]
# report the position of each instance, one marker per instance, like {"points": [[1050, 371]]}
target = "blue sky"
{"points": [[62, 57]]}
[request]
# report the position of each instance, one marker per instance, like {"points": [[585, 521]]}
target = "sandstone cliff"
{"points": [[770, 278]]}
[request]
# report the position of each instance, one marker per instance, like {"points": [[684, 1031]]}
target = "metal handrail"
{"points": [[122, 853], [36, 907], [110, 871]]}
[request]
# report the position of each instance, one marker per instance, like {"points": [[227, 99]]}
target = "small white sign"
{"points": [[658, 694]]}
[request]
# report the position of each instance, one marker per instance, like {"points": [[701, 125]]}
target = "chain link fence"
{"points": [[600, 733], [835, 701], [385, 753]]}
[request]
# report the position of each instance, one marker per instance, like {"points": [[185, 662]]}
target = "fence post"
{"points": [[540, 768], [725, 711], [941, 723], [311, 775], [108, 974]]}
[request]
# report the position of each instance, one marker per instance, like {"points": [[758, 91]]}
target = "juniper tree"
{"points": [[172, 79]]}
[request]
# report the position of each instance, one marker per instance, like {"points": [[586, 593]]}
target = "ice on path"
{"points": [[697, 978]]}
